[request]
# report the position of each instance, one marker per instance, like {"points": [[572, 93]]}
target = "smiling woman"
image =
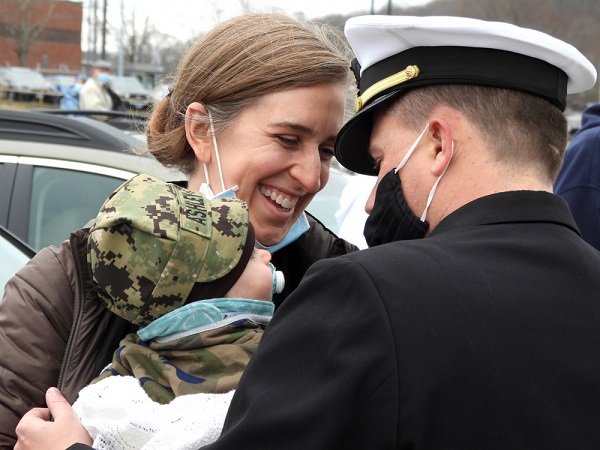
{"points": [[253, 112]]}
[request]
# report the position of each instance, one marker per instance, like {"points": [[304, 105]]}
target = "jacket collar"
{"points": [[510, 207]]}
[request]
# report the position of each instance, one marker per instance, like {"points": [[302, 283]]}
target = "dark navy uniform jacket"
{"points": [[578, 181], [485, 335]]}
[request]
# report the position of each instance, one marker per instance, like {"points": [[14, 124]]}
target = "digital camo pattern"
{"points": [[208, 362], [153, 240]]}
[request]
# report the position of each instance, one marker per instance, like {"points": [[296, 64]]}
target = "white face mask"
{"points": [[433, 189], [205, 187]]}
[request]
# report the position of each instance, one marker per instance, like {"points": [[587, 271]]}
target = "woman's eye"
{"points": [[288, 140]]}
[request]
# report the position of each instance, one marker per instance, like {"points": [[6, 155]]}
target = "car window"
{"points": [[64, 200], [11, 261]]}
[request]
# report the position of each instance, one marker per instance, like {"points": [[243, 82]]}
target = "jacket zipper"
{"points": [[76, 314]]}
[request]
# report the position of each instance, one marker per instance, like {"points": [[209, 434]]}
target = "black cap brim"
{"points": [[352, 143]]}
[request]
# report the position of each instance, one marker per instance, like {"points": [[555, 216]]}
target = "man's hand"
{"points": [[34, 431]]}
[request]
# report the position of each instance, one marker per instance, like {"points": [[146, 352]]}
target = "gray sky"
{"points": [[184, 19]]}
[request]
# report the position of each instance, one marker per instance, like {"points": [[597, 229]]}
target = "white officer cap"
{"points": [[398, 53]]}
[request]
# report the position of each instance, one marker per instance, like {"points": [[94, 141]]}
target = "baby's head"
{"points": [[156, 246]]}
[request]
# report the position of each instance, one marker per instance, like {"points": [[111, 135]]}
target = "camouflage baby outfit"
{"points": [[163, 257], [206, 359]]}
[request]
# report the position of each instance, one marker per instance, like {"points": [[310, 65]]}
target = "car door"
{"points": [[15, 255], [49, 198]]}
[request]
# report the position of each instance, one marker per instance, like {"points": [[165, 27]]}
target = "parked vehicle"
{"points": [[130, 122], [61, 82], [55, 172], [132, 93], [24, 84], [15, 254], [159, 91]]}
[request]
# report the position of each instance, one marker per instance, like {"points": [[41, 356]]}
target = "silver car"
{"points": [[55, 172], [15, 255]]}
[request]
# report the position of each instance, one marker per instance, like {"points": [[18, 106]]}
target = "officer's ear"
{"points": [[197, 131], [443, 145]]}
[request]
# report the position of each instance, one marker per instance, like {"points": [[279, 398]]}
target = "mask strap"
{"points": [[433, 189], [214, 138], [411, 150], [206, 174]]}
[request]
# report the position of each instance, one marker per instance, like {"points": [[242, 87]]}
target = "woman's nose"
{"points": [[307, 170]]}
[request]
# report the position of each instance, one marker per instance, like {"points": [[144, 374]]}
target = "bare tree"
{"points": [[137, 44], [31, 18], [245, 5]]}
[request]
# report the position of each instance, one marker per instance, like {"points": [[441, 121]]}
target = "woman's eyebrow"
{"points": [[294, 126]]}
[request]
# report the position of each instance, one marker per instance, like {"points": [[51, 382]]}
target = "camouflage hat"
{"points": [[152, 242]]}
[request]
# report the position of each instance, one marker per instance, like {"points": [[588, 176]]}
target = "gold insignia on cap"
{"points": [[393, 80]]}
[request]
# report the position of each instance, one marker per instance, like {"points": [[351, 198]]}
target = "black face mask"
{"points": [[391, 218]]}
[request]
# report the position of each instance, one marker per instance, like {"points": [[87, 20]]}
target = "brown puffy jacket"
{"points": [[52, 331], [55, 332]]}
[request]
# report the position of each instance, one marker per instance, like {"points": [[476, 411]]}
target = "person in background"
{"points": [[94, 94], [254, 110], [70, 98], [578, 181], [185, 270]]}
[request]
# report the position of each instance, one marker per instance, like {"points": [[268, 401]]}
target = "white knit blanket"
{"points": [[118, 414]]}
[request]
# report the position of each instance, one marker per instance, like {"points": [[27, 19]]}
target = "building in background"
{"points": [[41, 34]]}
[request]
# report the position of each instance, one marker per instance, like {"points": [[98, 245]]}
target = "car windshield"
{"points": [[126, 84]]}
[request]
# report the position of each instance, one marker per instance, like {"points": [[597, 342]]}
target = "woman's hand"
{"points": [[34, 431]]}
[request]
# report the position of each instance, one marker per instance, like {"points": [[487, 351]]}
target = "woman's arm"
{"points": [[35, 320]]}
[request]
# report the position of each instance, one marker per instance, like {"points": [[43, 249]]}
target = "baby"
{"points": [[185, 270]]}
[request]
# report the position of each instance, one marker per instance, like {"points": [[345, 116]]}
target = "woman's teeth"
{"points": [[279, 199]]}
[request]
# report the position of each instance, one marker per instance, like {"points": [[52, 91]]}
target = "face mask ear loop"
{"points": [[433, 189], [206, 174], [214, 138], [411, 150]]}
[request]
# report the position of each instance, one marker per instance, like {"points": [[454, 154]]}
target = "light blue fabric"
{"points": [[299, 227], [103, 78], [202, 313], [70, 98], [227, 193]]}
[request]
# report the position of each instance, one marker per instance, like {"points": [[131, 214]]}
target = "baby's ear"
{"points": [[197, 131]]}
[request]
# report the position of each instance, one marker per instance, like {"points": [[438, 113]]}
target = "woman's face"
{"points": [[278, 152]]}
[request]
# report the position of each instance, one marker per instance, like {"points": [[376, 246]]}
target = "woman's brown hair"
{"points": [[236, 63]]}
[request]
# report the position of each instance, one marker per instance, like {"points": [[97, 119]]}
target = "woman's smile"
{"points": [[284, 201]]}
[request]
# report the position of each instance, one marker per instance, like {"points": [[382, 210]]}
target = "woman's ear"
{"points": [[444, 145], [197, 131]]}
